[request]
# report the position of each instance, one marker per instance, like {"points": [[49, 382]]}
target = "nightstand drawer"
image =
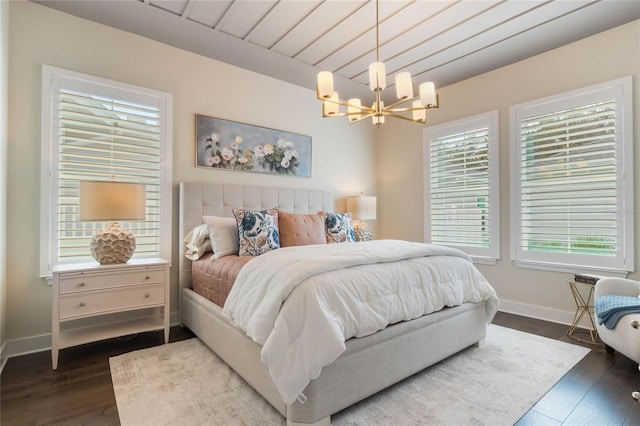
{"points": [[80, 282], [114, 300]]}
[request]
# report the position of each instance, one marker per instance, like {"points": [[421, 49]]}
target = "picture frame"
{"points": [[230, 145]]}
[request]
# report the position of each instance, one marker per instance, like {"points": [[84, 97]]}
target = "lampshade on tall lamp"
{"points": [[362, 208], [112, 201]]}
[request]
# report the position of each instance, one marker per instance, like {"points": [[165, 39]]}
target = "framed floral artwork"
{"points": [[229, 145]]}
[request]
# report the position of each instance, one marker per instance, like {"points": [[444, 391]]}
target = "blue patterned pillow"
{"points": [[257, 231], [338, 228]]}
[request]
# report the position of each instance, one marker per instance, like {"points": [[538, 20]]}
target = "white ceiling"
{"points": [[444, 41]]}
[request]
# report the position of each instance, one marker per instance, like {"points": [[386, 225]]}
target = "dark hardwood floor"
{"points": [[597, 391]]}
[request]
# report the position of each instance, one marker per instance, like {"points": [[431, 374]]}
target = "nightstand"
{"points": [[94, 302]]}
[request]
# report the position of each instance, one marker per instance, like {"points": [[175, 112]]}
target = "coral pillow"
{"points": [[257, 231], [301, 229]]}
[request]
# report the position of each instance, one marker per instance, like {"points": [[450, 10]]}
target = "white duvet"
{"points": [[302, 303]]}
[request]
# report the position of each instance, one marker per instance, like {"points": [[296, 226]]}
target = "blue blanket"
{"points": [[609, 309]]}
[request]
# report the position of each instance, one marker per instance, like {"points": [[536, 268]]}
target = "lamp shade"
{"points": [[325, 84], [362, 207], [404, 86], [102, 201], [427, 94]]}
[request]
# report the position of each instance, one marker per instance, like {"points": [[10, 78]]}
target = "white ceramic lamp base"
{"points": [[363, 232], [113, 245]]}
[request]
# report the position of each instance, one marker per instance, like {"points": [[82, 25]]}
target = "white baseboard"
{"points": [[541, 313], [42, 343], [29, 345]]}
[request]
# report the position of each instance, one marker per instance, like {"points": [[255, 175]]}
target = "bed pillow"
{"points": [[197, 242], [223, 233], [257, 231], [338, 228], [301, 229]]}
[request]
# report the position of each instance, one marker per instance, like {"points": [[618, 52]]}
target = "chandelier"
{"points": [[428, 98]]}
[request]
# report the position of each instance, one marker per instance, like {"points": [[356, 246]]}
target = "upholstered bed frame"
{"points": [[369, 364]]}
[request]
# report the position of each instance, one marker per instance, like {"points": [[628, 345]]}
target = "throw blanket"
{"points": [[610, 308], [302, 303]]}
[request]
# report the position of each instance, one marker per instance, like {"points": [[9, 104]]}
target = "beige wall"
{"points": [[4, 70], [344, 157], [604, 57]]}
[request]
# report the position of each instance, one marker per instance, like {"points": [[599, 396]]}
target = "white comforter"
{"points": [[302, 303]]}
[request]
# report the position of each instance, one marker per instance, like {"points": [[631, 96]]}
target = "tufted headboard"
{"points": [[217, 199]]}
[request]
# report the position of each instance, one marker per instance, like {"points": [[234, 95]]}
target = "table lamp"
{"points": [[362, 208], [112, 201]]}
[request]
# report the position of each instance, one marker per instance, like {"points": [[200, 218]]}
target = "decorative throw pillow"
{"points": [[223, 233], [301, 229], [257, 231], [338, 228], [197, 242]]}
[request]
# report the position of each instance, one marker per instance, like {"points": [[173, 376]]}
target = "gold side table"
{"points": [[584, 307]]}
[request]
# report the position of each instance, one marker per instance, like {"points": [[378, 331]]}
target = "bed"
{"points": [[368, 365]]}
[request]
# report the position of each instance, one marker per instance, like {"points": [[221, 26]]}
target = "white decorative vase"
{"points": [[363, 232], [113, 245]]}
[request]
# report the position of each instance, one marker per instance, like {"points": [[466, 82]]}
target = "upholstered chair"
{"points": [[624, 338]]}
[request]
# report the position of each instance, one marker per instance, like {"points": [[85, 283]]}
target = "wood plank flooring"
{"points": [[597, 391]]}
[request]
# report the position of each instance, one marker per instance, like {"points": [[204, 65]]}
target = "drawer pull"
{"points": [[81, 285], [82, 304], [147, 277], [146, 296]]}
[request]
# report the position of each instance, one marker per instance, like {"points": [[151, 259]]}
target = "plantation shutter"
{"points": [[101, 138], [572, 181], [569, 181], [459, 189]]}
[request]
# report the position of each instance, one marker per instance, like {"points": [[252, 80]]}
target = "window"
{"points": [[572, 199], [461, 186], [95, 129]]}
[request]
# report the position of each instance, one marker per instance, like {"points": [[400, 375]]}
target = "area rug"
{"points": [[184, 383]]}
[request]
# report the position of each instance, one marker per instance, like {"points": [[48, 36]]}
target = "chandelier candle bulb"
{"points": [[330, 107], [419, 115], [404, 86], [354, 109], [377, 76], [428, 94], [325, 84]]}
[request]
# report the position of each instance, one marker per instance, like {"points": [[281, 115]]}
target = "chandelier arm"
{"points": [[347, 104], [362, 117], [403, 100], [394, 115], [398, 102], [346, 114], [407, 109]]}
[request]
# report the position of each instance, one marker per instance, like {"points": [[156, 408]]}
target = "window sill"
{"points": [[572, 269], [484, 260]]}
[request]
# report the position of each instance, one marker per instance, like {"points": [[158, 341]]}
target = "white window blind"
{"points": [[461, 182], [102, 131], [568, 163], [572, 180]]}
